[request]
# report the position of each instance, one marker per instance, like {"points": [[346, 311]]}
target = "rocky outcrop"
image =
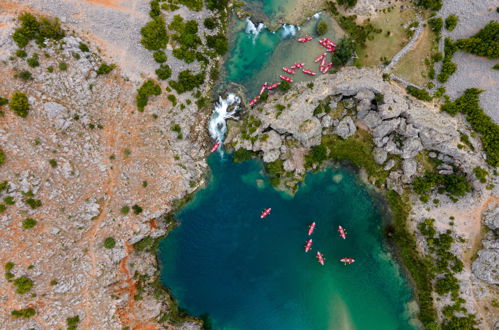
{"points": [[345, 128], [486, 266]]}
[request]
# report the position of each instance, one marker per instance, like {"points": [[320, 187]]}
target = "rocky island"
{"points": [[104, 115]]}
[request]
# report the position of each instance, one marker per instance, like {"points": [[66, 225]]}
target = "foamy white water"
{"points": [[253, 29], [288, 30], [218, 125]]}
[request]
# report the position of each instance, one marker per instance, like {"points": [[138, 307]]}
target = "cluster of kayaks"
{"points": [[308, 244], [324, 67]]}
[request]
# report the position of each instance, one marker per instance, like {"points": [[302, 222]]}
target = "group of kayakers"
{"points": [[308, 244], [323, 67]]}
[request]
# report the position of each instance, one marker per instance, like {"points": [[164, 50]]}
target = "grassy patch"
{"points": [[391, 40]]}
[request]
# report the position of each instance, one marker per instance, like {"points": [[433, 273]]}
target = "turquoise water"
{"points": [[248, 273]]}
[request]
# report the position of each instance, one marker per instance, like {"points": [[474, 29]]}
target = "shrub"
{"points": [[2, 157], [316, 155], [144, 244], [84, 48], [430, 4], [3, 101], [160, 56], [23, 284], [210, 23], [2, 208], [53, 163], [19, 104], [109, 243], [218, 42], [451, 22], [242, 155], [137, 209], [187, 81], [164, 72], [436, 24], [21, 53], [154, 36], [447, 284], [63, 66], [347, 3], [448, 68], [124, 210], [33, 203], [344, 51], [9, 266], [216, 4], [455, 185], [148, 88], [421, 94], [195, 5], [155, 9], [105, 68], [72, 322], [24, 313], [24, 75], [283, 86], [172, 99], [469, 104], [484, 43], [31, 29], [321, 28], [29, 223], [496, 67], [481, 174]]}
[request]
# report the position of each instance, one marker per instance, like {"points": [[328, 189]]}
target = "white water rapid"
{"points": [[252, 29], [217, 124]]}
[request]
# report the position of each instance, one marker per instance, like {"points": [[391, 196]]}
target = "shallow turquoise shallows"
{"points": [[248, 273]]}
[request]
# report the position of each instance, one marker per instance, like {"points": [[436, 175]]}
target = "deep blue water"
{"points": [[248, 273]]}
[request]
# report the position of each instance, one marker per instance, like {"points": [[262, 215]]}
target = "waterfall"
{"points": [[288, 30], [253, 30], [217, 124], [317, 15]]}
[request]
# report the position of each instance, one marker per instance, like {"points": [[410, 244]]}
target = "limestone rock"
{"points": [[409, 166], [364, 106], [389, 164], [272, 155], [326, 121], [372, 119], [345, 128], [486, 265], [380, 155], [411, 148], [386, 127], [272, 142], [491, 219], [387, 111], [365, 94]]}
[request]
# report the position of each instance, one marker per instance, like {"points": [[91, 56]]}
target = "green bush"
{"points": [[242, 155], [39, 30], [321, 28], [53, 163], [9, 266], [155, 9], [137, 209], [218, 42], [33, 203], [160, 56], [148, 88], [144, 244], [63, 66], [124, 210], [187, 81], [2, 157], [448, 68], [109, 243], [24, 75], [436, 24], [23, 284], [9, 200], [347, 3], [496, 67], [84, 48], [481, 174], [455, 185], [430, 4], [33, 61], [316, 155], [210, 23], [23, 313], [421, 94], [343, 52], [469, 104], [21, 53], [447, 284], [72, 322], [172, 99], [19, 104], [283, 86], [195, 5], [218, 5], [29, 223], [484, 43], [105, 68], [154, 36], [164, 72], [451, 22], [358, 33]]}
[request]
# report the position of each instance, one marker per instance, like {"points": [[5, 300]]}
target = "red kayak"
{"points": [[320, 258], [288, 70], [265, 213], [323, 62], [305, 39], [347, 261], [330, 50], [326, 68], [310, 72], [253, 102], [286, 78], [320, 58], [311, 228], [342, 231], [215, 146], [263, 88], [298, 65], [272, 86], [308, 246]]}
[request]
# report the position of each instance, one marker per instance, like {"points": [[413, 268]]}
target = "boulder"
{"points": [[272, 142], [387, 111], [271, 156], [289, 166], [386, 127], [486, 265], [389, 164], [326, 121], [345, 128], [491, 219], [379, 155], [412, 146], [372, 119], [409, 166], [365, 94], [364, 106]]}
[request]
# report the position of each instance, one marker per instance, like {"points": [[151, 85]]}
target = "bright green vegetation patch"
{"points": [[23, 313], [469, 105], [2, 157], [109, 243], [186, 37], [187, 81], [23, 284], [421, 94], [145, 245], [241, 155], [33, 29], [430, 4], [125, 210], [33, 61], [481, 174], [24, 75], [218, 42], [496, 67], [448, 67], [164, 72], [436, 24], [455, 185], [33, 203], [19, 104], [148, 88], [321, 28], [154, 36], [418, 268], [73, 322], [29, 223], [105, 68], [484, 43], [451, 22], [177, 129], [343, 52], [160, 56]]}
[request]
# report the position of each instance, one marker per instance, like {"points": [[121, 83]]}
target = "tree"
{"points": [[154, 36], [187, 81], [218, 42], [160, 56], [105, 69], [23, 284], [109, 243], [29, 223], [210, 23], [19, 104], [164, 72], [24, 313], [451, 22], [347, 3], [484, 43], [137, 209], [322, 28], [447, 284], [148, 88], [436, 24], [344, 51], [430, 4]]}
